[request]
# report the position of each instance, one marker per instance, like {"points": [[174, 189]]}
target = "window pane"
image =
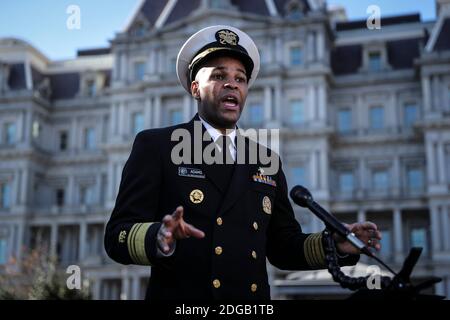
{"points": [[138, 122], [139, 70], [60, 197], [380, 180], [256, 114], [6, 196], [63, 141], [90, 88], [175, 117], [298, 176], [87, 195], [415, 179], [89, 141], [419, 239], [10, 133], [386, 242], [410, 114], [36, 130], [296, 56], [344, 120], [374, 61], [376, 118], [346, 181], [3, 253], [297, 112]]}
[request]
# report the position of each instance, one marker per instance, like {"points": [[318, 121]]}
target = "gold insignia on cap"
{"points": [[227, 37], [122, 236], [196, 196], [267, 205]]}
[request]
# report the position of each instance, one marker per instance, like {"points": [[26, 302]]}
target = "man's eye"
{"points": [[240, 79], [218, 77]]}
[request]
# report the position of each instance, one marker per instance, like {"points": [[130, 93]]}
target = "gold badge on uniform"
{"points": [[196, 196], [267, 205], [226, 36], [122, 236]]}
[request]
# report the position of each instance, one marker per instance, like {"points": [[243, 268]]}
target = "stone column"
{"points": [[124, 295], [445, 228], [20, 239], [278, 104], [113, 120], [148, 113], [70, 199], [398, 234], [320, 46], [28, 125], [28, 79], [431, 170], [74, 134], [111, 181], [15, 187], [435, 229], [310, 47], [82, 241], [441, 163], [311, 113], [426, 92], [361, 215], [324, 169], [157, 107], [24, 187], [121, 119], [267, 104], [123, 67], [396, 175], [96, 289], [135, 288], [313, 164], [20, 127], [186, 107], [53, 239], [436, 103], [322, 103]]}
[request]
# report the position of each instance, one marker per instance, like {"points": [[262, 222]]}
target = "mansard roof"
{"points": [[157, 13]]}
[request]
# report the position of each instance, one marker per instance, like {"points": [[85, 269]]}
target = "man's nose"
{"points": [[231, 84]]}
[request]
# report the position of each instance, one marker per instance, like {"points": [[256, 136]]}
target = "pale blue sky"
{"points": [[43, 22]]}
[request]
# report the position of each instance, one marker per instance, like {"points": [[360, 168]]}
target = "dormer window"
{"points": [[295, 10], [139, 29]]}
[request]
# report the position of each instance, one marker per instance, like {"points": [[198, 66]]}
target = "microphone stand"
{"points": [[398, 287]]}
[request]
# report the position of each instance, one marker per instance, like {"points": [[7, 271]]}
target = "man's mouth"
{"points": [[230, 102]]}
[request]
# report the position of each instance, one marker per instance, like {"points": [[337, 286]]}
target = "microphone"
{"points": [[301, 196]]}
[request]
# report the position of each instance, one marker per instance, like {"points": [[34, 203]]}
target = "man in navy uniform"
{"points": [[207, 229]]}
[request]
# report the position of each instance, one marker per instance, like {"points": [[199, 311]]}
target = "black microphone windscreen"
{"points": [[300, 195]]}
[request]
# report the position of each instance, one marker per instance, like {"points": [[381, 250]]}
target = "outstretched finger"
{"points": [[178, 214], [193, 231]]}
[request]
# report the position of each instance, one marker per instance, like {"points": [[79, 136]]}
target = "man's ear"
{"points": [[194, 90]]}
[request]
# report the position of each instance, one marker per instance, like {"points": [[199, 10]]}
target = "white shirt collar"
{"points": [[215, 134]]}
